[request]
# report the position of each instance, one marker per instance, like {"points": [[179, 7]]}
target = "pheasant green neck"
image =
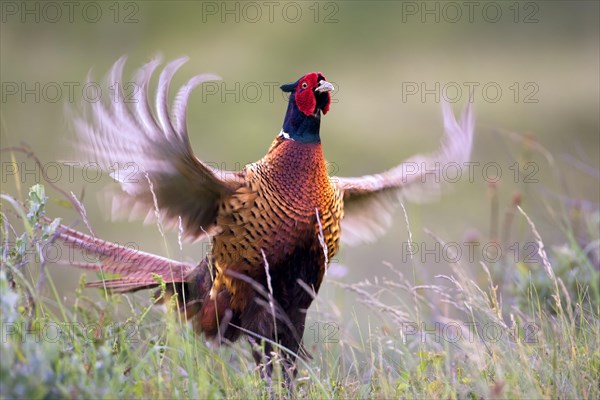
{"points": [[299, 126]]}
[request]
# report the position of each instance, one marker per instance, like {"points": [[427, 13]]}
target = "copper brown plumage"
{"points": [[274, 225]]}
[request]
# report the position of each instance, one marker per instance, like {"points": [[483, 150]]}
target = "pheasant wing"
{"points": [[149, 153], [370, 201]]}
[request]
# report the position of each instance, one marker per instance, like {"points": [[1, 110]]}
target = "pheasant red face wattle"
{"points": [[312, 93]]}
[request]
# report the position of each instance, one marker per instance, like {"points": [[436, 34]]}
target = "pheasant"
{"points": [[274, 225]]}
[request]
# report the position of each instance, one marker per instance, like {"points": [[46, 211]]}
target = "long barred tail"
{"points": [[137, 269]]}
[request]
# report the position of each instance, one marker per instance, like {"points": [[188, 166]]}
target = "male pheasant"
{"points": [[274, 225]]}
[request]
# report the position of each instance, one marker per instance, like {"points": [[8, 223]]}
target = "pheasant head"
{"points": [[309, 97]]}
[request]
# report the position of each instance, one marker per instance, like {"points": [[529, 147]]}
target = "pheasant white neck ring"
{"points": [[285, 135]]}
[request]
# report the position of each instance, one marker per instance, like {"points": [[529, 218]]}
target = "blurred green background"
{"points": [[371, 51]]}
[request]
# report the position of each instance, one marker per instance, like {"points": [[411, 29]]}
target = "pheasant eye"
{"points": [[304, 85]]}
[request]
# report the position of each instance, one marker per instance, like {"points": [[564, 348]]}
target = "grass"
{"points": [[514, 331]]}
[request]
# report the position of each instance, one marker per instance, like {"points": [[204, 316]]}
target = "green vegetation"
{"points": [[544, 344]]}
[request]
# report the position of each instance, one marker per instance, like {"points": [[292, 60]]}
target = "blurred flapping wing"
{"points": [[370, 201], [149, 153]]}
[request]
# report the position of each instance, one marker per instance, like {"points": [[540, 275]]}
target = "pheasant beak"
{"points": [[324, 86]]}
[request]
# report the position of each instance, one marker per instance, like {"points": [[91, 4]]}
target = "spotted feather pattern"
{"points": [[275, 214]]}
